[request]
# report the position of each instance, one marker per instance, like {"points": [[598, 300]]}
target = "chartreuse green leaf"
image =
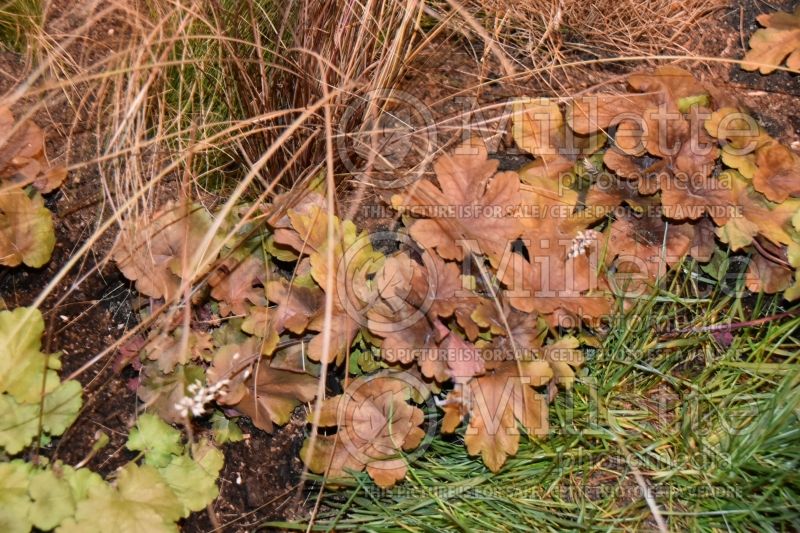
{"points": [[15, 504], [106, 509], [686, 103], [144, 498], [225, 429], [144, 486], [141, 499], [159, 441], [61, 407], [26, 374], [22, 365], [80, 481], [52, 499], [194, 479], [19, 424]]}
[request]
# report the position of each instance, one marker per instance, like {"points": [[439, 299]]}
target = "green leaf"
{"points": [[145, 486], [159, 441], [52, 500], [796, 220], [225, 429], [15, 503], [24, 369], [717, 266], [80, 481], [793, 293], [686, 103], [19, 424], [362, 360], [194, 481], [107, 511], [61, 407], [229, 333], [22, 364]]}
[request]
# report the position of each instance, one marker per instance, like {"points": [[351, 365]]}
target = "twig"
{"points": [[731, 326], [647, 492], [770, 256]]}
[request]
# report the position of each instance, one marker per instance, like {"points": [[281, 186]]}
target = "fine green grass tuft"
{"points": [[709, 432], [18, 21]]}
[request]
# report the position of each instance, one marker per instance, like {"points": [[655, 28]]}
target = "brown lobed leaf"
{"points": [[396, 316], [265, 394], [658, 142], [559, 279], [171, 349], [374, 424], [413, 299], [779, 40], [26, 229], [740, 137], [353, 261], [158, 256], [496, 403], [469, 211], [523, 338], [777, 174], [160, 392], [234, 362], [756, 216], [299, 308], [272, 395], [643, 247], [765, 274], [238, 284], [22, 156], [540, 129]]}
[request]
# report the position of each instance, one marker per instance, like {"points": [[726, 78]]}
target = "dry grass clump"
{"points": [[248, 87], [554, 32]]}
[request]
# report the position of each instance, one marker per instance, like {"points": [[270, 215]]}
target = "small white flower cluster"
{"points": [[582, 242], [196, 404]]}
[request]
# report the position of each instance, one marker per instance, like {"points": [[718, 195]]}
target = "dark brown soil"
{"points": [[260, 480], [771, 98], [741, 19]]}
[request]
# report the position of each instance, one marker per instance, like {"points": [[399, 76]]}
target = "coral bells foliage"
{"points": [[777, 42], [496, 280], [26, 226]]}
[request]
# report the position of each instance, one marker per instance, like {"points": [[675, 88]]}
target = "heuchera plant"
{"points": [[168, 481], [497, 281], [26, 226]]}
